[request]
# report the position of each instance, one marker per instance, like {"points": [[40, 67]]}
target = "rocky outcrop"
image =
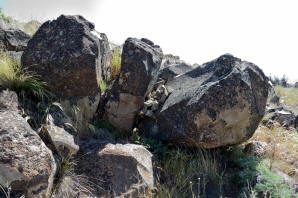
{"points": [[59, 132], [170, 59], [279, 117], [13, 40], [72, 58], [141, 60], [116, 170], [68, 54], [26, 164], [217, 104]]}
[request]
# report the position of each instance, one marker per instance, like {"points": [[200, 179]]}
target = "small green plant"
{"points": [[103, 86], [116, 63], [25, 84]]}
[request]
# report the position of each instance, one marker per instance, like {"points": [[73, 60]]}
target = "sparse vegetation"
{"points": [[67, 183], [257, 180], [25, 84], [116, 63], [289, 95], [283, 150]]}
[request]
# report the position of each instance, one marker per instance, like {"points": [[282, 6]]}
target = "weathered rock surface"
{"points": [[280, 116], [116, 170], [219, 103], [69, 55], [257, 148], [60, 133], [141, 60], [169, 72], [13, 40], [8, 100], [26, 164], [170, 59], [73, 59]]}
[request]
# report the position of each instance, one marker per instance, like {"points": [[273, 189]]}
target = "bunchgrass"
{"points": [[25, 84], [116, 63], [190, 174], [67, 183]]}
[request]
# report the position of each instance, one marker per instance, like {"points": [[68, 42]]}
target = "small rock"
{"points": [[256, 148]]}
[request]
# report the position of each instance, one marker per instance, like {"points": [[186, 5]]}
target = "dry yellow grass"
{"points": [[283, 151], [289, 96]]}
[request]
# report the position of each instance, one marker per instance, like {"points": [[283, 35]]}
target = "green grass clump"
{"points": [[190, 174], [67, 183], [25, 84], [116, 63]]}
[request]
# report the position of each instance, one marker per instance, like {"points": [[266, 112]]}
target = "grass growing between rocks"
{"points": [[116, 63], [255, 178], [283, 149], [224, 172], [67, 183], [24, 83]]}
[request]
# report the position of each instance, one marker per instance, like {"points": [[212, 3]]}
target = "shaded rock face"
{"points": [[60, 133], [13, 40], [217, 104], [116, 170], [26, 164], [141, 60], [69, 55]]}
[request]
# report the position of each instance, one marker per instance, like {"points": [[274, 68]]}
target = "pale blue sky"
{"points": [[261, 31]]}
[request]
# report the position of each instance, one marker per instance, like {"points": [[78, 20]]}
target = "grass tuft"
{"points": [[24, 83], [116, 63], [67, 183]]}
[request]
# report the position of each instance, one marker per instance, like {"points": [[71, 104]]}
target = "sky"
{"points": [[264, 32]]}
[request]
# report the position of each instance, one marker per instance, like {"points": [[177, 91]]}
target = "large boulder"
{"points": [[26, 164], [116, 170], [217, 104], [141, 60], [67, 53], [72, 58]]}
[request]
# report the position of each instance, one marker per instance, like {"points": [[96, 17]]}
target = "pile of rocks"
{"points": [[216, 104]]}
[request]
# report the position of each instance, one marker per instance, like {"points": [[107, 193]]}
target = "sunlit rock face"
{"points": [[217, 104]]}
